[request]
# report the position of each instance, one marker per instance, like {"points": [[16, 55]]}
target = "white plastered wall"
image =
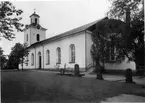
{"points": [[89, 42], [34, 32], [64, 43], [27, 32], [77, 39]]}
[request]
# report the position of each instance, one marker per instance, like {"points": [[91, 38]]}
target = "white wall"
{"points": [[89, 42], [34, 32], [77, 40], [82, 42], [27, 31], [64, 43], [121, 66], [39, 49]]}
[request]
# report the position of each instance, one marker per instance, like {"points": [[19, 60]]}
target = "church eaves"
{"points": [[68, 33]]}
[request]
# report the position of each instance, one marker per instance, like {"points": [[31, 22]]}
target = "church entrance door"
{"points": [[39, 62]]}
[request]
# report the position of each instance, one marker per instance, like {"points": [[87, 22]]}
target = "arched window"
{"points": [[35, 20], [72, 53], [112, 53], [58, 51], [47, 57], [27, 37], [38, 37], [27, 61], [32, 59]]}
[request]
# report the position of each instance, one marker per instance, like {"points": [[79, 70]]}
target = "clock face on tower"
{"points": [[38, 26]]}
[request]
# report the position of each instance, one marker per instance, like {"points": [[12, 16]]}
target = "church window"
{"points": [[38, 37], [35, 20], [72, 53], [47, 57], [27, 37], [27, 61], [58, 51], [32, 59], [112, 54]]}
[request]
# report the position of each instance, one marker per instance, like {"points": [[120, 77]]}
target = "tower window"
{"points": [[35, 20], [38, 37]]}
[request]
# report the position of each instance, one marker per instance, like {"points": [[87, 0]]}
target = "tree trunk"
{"points": [[22, 63], [103, 66], [22, 66], [99, 73], [18, 67]]}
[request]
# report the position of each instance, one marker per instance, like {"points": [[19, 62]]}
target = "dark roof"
{"points": [[35, 26], [34, 14], [71, 32]]}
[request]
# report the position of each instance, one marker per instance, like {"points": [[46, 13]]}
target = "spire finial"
{"points": [[34, 10]]}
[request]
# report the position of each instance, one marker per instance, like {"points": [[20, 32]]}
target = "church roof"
{"points": [[71, 32], [34, 14]]}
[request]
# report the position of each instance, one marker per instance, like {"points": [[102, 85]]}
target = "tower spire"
{"points": [[34, 10]]}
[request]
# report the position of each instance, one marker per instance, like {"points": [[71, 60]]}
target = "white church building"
{"points": [[66, 49]]}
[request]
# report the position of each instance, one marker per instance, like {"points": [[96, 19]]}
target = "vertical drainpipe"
{"points": [[43, 53], [85, 52], [35, 57]]}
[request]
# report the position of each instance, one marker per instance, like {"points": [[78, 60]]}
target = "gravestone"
{"points": [[76, 70], [128, 75]]}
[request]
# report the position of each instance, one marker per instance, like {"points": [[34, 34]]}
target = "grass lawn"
{"points": [[43, 87]]}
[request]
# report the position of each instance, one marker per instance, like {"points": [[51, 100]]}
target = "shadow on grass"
{"points": [[22, 92]]}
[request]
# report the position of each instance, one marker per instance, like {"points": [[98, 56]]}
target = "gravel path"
{"points": [[125, 98]]}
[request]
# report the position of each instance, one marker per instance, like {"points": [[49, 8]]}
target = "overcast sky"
{"points": [[58, 16]]}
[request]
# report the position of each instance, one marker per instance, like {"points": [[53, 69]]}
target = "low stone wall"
{"points": [[120, 66]]}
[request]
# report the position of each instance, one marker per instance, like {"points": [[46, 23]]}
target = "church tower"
{"points": [[34, 32]]}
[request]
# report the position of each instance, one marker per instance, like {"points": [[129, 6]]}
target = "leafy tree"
{"points": [[3, 59], [108, 34], [134, 12], [119, 8], [9, 20], [17, 55]]}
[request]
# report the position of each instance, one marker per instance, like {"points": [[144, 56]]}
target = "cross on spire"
{"points": [[34, 10]]}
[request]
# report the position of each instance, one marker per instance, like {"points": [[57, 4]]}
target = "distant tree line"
{"points": [[16, 57]]}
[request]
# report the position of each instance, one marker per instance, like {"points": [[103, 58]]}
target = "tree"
{"points": [[134, 12], [108, 34], [17, 55], [9, 20], [119, 8], [3, 59]]}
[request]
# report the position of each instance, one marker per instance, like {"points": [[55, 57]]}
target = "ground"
{"points": [[47, 87]]}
